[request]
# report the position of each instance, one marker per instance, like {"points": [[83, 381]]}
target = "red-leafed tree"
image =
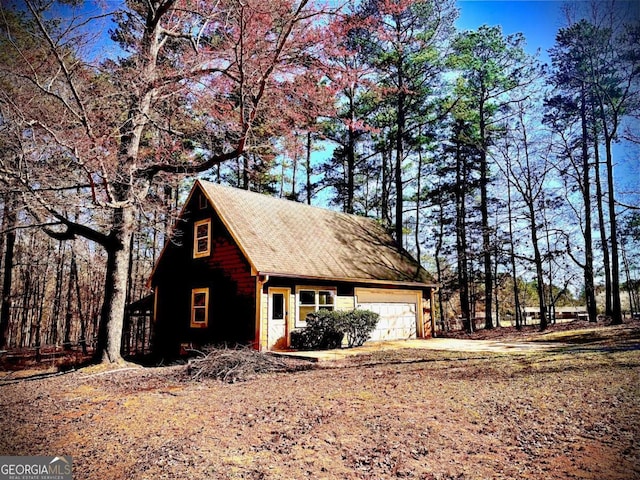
{"points": [[190, 82]]}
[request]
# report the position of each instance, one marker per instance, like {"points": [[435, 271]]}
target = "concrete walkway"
{"points": [[448, 344]]}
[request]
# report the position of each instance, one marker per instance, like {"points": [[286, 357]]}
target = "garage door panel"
{"points": [[397, 320]]}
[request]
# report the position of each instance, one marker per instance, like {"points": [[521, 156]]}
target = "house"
{"points": [[561, 314], [245, 268]]}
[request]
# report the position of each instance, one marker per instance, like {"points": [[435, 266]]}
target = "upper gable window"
{"points": [[202, 201], [202, 238]]}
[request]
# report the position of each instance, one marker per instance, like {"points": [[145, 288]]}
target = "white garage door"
{"points": [[398, 312], [397, 320]]}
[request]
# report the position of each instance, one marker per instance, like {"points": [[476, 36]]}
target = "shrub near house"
{"points": [[326, 329]]}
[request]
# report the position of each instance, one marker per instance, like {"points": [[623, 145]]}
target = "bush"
{"points": [[357, 325], [321, 333], [327, 328]]}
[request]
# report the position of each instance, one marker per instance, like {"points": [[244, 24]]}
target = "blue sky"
{"points": [[537, 20]]}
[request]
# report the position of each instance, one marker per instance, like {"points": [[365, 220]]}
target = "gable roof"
{"points": [[285, 238]]}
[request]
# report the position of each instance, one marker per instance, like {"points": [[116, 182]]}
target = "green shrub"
{"points": [[357, 325], [327, 328], [321, 333]]}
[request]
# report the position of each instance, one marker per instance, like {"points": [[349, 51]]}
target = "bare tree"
{"points": [[191, 81]]}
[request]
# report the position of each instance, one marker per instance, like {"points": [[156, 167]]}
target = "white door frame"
{"points": [[278, 329]]}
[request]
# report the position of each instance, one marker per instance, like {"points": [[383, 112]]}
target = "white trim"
{"points": [[286, 298]]}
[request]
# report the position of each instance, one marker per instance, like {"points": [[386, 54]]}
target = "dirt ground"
{"points": [[566, 413]]}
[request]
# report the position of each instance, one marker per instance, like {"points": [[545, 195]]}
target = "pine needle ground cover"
{"points": [[567, 413]]}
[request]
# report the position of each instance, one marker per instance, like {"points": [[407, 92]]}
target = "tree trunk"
{"points": [[418, 193], [461, 239], [81, 317], [384, 201], [633, 302], [495, 276], [38, 328], [484, 212], [9, 223], [69, 313], [439, 242], [112, 316], [351, 160], [516, 293], [398, 169], [616, 306], [309, 171], [606, 263], [57, 296], [589, 288], [539, 271], [294, 175]]}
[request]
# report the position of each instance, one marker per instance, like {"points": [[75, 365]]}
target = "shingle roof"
{"points": [[282, 237]]}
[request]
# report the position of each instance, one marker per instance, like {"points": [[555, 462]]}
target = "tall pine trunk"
{"points": [[616, 306], [309, 169], [516, 294], [606, 262], [484, 212], [439, 243], [399, 184], [9, 223], [351, 160], [589, 288], [537, 258], [461, 238]]}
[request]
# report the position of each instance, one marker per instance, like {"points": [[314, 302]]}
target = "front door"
{"points": [[278, 330]]}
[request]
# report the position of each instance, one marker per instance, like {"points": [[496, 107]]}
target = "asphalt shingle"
{"points": [[282, 237]]}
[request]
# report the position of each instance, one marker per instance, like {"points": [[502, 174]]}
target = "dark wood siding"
{"points": [[225, 272], [227, 257]]}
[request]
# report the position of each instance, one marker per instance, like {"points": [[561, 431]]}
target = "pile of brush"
{"points": [[239, 364]]}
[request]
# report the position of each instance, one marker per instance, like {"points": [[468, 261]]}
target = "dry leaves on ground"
{"points": [[416, 414]]}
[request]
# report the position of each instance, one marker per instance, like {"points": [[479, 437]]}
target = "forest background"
{"points": [[512, 175]]}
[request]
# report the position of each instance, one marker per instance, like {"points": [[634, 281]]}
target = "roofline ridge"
{"points": [[291, 202]]}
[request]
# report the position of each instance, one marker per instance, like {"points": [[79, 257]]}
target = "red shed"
{"points": [[245, 268]]}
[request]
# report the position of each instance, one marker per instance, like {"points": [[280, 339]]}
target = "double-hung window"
{"points": [[199, 308], [202, 238], [311, 300]]}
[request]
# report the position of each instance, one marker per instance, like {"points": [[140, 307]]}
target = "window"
{"points": [[202, 238], [277, 306], [199, 307], [312, 300], [202, 201]]}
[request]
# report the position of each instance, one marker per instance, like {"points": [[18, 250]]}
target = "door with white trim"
{"points": [[278, 320]]}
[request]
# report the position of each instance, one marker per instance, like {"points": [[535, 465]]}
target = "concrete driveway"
{"points": [[449, 344]]}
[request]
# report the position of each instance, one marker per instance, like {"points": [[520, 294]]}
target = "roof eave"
{"points": [[372, 281]]}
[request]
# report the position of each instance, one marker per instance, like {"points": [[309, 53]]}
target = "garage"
{"points": [[398, 310]]}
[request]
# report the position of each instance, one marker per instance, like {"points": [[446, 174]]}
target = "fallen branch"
{"points": [[240, 364]]}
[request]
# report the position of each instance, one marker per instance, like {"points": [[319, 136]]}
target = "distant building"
{"points": [[532, 314]]}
